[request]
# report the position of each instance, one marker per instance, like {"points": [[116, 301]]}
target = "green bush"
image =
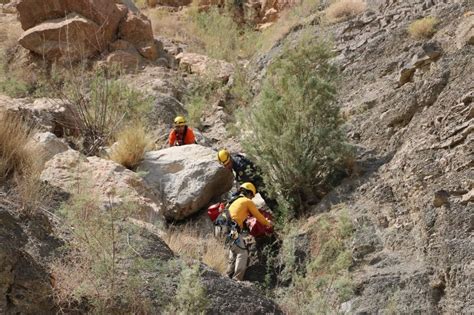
{"points": [[191, 296], [294, 130]]}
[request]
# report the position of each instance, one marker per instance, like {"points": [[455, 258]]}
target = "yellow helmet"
{"points": [[249, 186], [223, 156], [179, 121]]}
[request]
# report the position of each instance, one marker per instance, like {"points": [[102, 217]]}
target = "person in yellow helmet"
{"points": [[239, 210], [245, 171], [181, 134]]}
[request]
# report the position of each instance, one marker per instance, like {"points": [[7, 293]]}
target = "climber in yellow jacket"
{"points": [[239, 210]]}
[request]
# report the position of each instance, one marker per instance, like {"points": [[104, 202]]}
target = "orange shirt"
{"points": [[176, 139]]}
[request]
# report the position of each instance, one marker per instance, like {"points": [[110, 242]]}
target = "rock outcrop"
{"points": [[25, 283], [186, 178], [111, 183], [71, 30], [409, 112], [204, 66]]}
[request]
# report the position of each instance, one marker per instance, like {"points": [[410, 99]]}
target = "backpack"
{"points": [[224, 226]]}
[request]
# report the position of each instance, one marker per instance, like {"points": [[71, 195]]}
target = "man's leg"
{"points": [[230, 263], [241, 260]]}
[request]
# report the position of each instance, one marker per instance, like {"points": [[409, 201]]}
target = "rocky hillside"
{"points": [[409, 112], [98, 237]]}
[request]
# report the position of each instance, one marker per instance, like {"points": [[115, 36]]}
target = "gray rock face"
{"points": [[186, 178], [414, 138], [49, 145], [25, 285]]}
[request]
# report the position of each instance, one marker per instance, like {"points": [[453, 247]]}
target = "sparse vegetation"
{"points": [[16, 157], [294, 130], [422, 28], [289, 18], [345, 9], [191, 296], [102, 105], [20, 160], [189, 243], [324, 281], [132, 143], [91, 272]]}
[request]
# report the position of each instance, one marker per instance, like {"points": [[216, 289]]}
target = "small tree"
{"points": [[294, 132]]}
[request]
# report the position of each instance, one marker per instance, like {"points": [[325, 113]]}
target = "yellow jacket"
{"points": [[240, 209]]}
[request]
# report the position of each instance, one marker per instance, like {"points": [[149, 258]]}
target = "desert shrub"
{"points": [[294, 130], [132, 143], [100, 269], [102, 106], [289, 18], [191, 296], [324, 281], [422, 28], [220, 36], [345, 9]]}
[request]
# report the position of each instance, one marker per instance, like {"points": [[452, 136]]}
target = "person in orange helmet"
{"points": [[181, 134]]}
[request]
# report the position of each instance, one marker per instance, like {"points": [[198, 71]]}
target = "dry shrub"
{"points": [[132, 143], [173, 25], [189, 243], [20, 160], [345, 9], [16, 157], [10, 31], [422, 28], [288, 19]]}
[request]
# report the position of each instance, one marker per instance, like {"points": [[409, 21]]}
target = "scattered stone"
{"points": [[49, 145], [441, 198]]}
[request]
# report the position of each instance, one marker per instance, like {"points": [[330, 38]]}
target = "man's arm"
{"points": [[192, 137], [254, 211], [172, 138]]}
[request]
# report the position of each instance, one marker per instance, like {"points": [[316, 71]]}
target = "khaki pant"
{"points": [[237, 263]]}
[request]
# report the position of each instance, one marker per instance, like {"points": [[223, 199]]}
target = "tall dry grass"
{"points": [[132, 144], [20, 161], [16, 157], [345, 9], [422, 28], [188, 242]]}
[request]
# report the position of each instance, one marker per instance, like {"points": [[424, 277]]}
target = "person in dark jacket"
{"points": [[245, 171]]}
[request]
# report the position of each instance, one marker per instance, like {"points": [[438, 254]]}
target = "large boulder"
{"points": [[107, 180], [72, 30], [64, 39], [136, 29], [186, 178], [105, 13]]}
